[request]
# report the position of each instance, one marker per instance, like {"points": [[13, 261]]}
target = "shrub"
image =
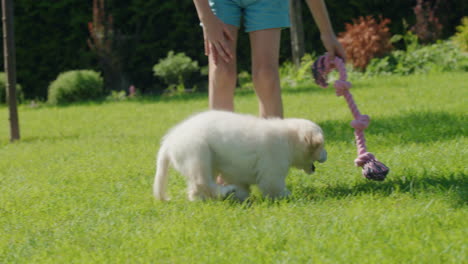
{"points": [[74, 86], [366, 39], [117, 96], [175, 69], [293, 76], [461, 37], [439, 57], [427, 27], [244, 80], [19, 90], [107, 43]]}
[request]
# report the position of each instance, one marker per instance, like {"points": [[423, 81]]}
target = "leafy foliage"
{"points": [[461, 38], [427, 27], [117, 96], [293, 76], [106, 43], [244, 80], [19, 90], [439, 57], [51, 36], [75, 86], [366, 39], [175, 69]]}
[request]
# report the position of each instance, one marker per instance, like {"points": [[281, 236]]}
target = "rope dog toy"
{"points": [[371, 168]]}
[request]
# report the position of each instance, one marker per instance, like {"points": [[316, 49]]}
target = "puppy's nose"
{"points": [[323, 156]]}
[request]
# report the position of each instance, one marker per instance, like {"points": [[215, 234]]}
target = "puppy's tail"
{"points": [[160, 179]]}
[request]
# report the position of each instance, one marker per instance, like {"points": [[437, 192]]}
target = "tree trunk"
{"points": [[297, 31], [10, 67]]}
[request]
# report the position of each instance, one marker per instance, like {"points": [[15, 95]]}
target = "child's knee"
{"points": [[224, 70], [265, 72]]}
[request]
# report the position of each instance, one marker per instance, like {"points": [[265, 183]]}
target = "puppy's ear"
{"points": [[313, 138]]}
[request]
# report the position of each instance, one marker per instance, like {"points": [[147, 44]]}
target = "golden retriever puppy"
{"points": [[242, 149]]}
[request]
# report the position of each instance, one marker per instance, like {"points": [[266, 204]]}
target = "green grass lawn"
{"points": [[78, 187]]}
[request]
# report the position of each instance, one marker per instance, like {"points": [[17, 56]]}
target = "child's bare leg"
{"points": [[223, 77], [222, 80], [265, 46]]}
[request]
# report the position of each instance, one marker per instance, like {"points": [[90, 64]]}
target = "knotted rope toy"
{"points": [[371, 168]]}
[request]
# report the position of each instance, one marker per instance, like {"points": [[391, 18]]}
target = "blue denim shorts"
{"points": [[256, 14]]}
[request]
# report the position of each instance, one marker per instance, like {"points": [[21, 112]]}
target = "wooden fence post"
{"points": [[10, 67]]}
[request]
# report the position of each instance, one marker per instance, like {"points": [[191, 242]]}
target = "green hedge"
{"points": [[19, 90], [76, 86], [51, 35], [50, 38]]}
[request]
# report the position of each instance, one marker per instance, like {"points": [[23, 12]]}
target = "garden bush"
{"points": [[115, 96], [428, 27], [146, 41], [438, 57], [244, 80], [175, 69], [19, 90], [461, 37], [291, 75], [75, 86], [366, 39]]}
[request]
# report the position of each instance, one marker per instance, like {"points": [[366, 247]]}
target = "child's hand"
{"points": [[216, 36], [333, 46]]}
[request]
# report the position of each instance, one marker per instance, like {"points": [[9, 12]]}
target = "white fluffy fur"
{"points": [[242, 149]]}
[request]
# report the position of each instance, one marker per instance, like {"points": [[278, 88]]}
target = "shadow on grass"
{"points": [[417, 127], [453, 185]]}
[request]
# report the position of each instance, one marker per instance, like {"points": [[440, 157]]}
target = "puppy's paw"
{"points": [[227, 191], [242, 194], [286, 193]]}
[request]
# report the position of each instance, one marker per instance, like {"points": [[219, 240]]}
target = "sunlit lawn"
{"points": [[77, 188]]}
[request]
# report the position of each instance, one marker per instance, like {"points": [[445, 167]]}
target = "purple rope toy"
{"points": [[371, 168]]}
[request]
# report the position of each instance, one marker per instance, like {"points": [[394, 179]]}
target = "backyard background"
{"points": [[77, 186], [52, 36]]}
